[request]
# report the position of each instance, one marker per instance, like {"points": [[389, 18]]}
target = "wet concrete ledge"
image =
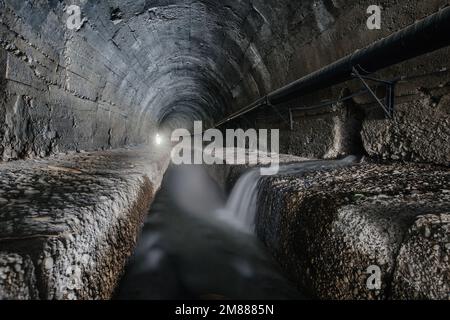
{"points": [[69, 223], [327, 228]]}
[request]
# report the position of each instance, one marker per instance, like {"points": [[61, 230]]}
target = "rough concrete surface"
{"points": [[17, 278], [423, 268], [327, 228], [68, 223], [420, 131]]}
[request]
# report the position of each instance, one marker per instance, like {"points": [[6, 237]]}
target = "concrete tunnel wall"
{"points": [[132, 66], [321, 33], [136, 65]]}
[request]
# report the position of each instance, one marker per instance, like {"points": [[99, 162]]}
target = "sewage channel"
{"points": [[197, 243]]}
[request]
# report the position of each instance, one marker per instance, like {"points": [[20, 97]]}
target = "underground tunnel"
{"points": [[312, 147]]}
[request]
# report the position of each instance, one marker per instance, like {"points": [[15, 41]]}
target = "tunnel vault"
{"points": [[134, 68], [131, 67]]}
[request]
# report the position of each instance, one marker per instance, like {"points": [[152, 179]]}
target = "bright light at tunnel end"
{"points": [[158, 139]]}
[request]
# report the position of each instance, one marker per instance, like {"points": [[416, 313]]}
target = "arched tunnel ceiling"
{"points": [[197, 56], [168, 62], [137, 64]]}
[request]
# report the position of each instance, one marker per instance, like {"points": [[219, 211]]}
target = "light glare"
{"points": [[158, 139]]}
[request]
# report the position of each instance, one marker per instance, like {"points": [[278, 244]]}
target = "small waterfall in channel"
{"points": [[242, 205], [188, 251], [185, 252]]}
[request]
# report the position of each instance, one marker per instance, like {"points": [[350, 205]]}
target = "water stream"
{"points": [[241, 207], [196, 244]]}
